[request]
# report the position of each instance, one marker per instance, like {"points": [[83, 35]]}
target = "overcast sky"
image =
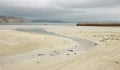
{"points": [[67, 10]]}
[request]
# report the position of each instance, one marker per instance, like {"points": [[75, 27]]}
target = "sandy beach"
{"points": [[40, 47]]}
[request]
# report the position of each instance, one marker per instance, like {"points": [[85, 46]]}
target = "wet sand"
{"points": [[59, 48]]}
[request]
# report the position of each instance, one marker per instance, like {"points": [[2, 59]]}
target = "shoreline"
{"points": [[75, 48]]}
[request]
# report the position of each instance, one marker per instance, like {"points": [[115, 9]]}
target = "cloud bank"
{"points": [[67, 10]]}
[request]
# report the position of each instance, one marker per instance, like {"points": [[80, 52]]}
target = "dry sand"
{"points": [[31, 51], [14, 42]]}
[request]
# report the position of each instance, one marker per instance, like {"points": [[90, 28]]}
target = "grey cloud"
{"points": [[88, 3], [67, 10], [60, 3]]}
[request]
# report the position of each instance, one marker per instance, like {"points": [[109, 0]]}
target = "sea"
{"points": [[58, 24]]}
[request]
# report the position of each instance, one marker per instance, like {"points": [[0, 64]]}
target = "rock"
{"points": [[7, 19]]}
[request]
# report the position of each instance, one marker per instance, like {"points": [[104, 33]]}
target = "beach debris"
{"points": [[70, 50], [40, 54], [54, 51], [95, 44], [67, 54], [52, 54], [94, 35]]}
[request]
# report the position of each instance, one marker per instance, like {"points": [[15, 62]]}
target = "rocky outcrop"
{"points": [[6, 19]]}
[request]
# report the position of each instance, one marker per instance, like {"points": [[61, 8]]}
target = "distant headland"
{"points": [[12, 19]]}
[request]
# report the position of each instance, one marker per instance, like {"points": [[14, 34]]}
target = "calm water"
{"points": [[67, 24]]}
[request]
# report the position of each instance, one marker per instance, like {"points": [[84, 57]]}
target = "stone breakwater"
{"points": [[98, 24]]}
